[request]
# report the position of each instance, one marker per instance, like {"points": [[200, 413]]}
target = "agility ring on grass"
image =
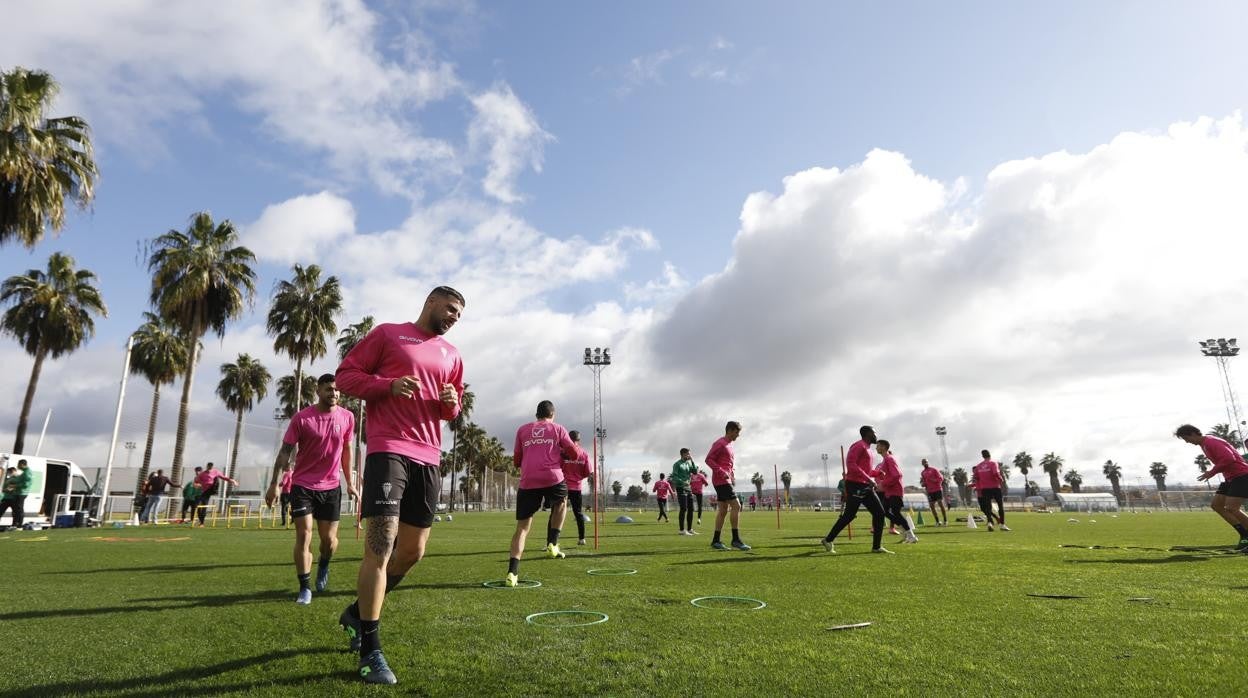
{"points": [[610, 572], [728, 603], [502, 584], [545, 619]]}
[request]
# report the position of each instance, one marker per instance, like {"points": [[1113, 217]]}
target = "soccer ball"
{"points": [[448, 517], [437, 518]]}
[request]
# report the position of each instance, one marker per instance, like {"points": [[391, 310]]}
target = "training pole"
{"points": [[850, 527], [112, 446], [597, 482], [775, 486]]}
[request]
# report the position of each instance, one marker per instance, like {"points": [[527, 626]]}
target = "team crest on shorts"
{"points": [[385, 490]]}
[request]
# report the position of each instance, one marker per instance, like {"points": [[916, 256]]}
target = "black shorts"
{"points": [[725, 493], [1234, 488], [935, 496], [682, 492], [322, 505], [894, 502], [396, 485], [529, 501], [990, 494]]}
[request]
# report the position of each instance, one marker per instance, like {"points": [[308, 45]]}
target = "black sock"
{"points": [[392, 581], [716, 538], [513, 566], [304, 580], [322, 564], [1243, 533], [736, 535], [354, 608], [552, 536], [370, 636]]}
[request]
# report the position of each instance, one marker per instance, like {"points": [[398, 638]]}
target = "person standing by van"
{"points": [[16, 487]]}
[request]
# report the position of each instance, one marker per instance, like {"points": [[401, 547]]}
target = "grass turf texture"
{"points": [[214, 615]]}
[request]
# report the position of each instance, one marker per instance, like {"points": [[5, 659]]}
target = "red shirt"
{"points": [[888, 476], [986, 476], [720, 459], [858, 463], [663, 488], [931, 479], [1226, 460], [576, 469], [539, 452], [697, 483]]}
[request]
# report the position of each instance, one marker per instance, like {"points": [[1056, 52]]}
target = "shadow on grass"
{"points": [[1147, 560], [170, 603], [208, 679], [198, 567]]}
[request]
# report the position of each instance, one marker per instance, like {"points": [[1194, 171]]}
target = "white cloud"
{"points": [[646, 69], [300, 228], [669, 285], [508, 132]]}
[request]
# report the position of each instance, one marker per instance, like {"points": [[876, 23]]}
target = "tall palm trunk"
{"points": [[238, 432], [298, 384], [19, 442], [1161, 482], [151, 438], [1057, 487], [1113, 482], [184, 410]]}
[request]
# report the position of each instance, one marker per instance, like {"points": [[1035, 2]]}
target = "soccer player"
{"points": [[207, 481], [720, 459], [682, 474], [986, 476], [860, 492], [412, 380], [190, 497], [284, 485], [574, 471], [1229, 498], [933, 485], [696, 483], [539, 451], [663, 489], [888, 478], [322, 434]]}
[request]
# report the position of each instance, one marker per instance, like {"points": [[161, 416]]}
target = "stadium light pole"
{"points": [[598, 359], [1222, 349], [827, 484], [944, 452]]}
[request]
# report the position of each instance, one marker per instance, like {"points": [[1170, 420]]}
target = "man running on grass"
{"points": [[662, 490], [888, 478], [576, 470], [986, 476], [1229, 498], [207, 481], [860, 492], [540, 449], [720, 459], [682, 475], [696, 483], [933, 485], [322, 434], [412, 380]]}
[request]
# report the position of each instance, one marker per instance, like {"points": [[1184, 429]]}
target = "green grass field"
{"points": [[212, 612]]}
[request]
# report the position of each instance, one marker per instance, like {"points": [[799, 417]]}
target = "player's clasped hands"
{"points": [[404, 386], [448, 394]]}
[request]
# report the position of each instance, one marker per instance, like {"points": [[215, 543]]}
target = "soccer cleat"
{"points": [[719, 545], [304, 598], [581, 542], [910, 537], [990, 527], [740, 545], [892, 530], [554, 552], [694, 533], [322, 578], [351, 625], [374, 669], [885, 551], [827, 545], [1003, 527], [699, 521], [511, 580]]}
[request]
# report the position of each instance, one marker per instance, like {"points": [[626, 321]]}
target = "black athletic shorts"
{"points": [[894, 502], [725, 493], [935, 496], [990, 494], [529, 501], [323, 505], [396, 485], [1234, 488]]}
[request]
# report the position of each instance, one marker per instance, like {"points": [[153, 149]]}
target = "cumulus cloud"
{"points": [[299, 228], [507, 132]]}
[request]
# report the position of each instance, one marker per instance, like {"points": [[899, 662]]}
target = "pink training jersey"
{"points": [[407, 426], [287, 481], [540, 448], [931, 479], [207, 478], [576, 469], [663, 489], [720, 458], [987, 476], [1226, 460], [321, 436], [888, 477], [858, 463], [697, 482]]}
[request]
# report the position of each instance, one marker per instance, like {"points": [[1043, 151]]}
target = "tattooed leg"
{"points": [[379, 541]]}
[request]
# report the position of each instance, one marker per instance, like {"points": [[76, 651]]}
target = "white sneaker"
{"points": [[694, 533], [910, 537], [1004, 527], [990, 528], [581, 542], [685, 533], [886, 551], [827, 545]]}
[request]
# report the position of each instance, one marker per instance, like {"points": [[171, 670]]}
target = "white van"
{"points": [[49, 477]]}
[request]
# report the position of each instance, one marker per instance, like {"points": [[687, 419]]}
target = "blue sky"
{"points": [[661, 120]]}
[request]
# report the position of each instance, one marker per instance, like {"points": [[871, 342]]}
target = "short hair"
{"points": [[574, 435], [985, 453], [545, 409], [325, 378], [198, 468], [210, 465], [11, 468], [924, 462], [683, 451], [732, 426], [1186, 430], [448, 292], [21, 462], [160, 471], [662, 475], [862, 430], [884, 443]]}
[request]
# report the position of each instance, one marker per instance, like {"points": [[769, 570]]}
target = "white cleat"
{"points": [[910, 537], [885, 551], [827, 545], [1004, 527]]}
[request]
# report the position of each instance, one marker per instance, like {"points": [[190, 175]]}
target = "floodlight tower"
{"points": [[944, 452], [1222, 350], [598, 359], [827, 484]]}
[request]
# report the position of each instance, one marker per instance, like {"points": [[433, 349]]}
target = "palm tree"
{"points": [[757, 480], [1202, 464], [1074, 479], [616, 488], [243, 383], [1231, 436], [159, 355], [43, 160], [1052, 463], [960, 479], [786, 479], [645, 484], [466, 404], [1113, 473], [51, 315], [1158, 472], [301, 316], [1022, 462], [1005, 477], [201, 279], [352, 334], [286, 397]]}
